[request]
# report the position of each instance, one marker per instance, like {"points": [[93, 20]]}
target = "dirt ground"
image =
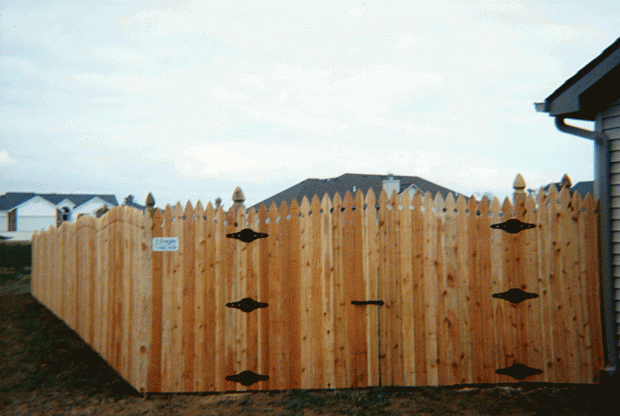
{"points": [[45, 369]]}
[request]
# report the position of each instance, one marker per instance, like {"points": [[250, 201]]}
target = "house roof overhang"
{"points": [[589, 91]]}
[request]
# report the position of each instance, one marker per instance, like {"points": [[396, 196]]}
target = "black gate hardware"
{"points": [[513, 226], [515, 295], [247, 304], [246, 235], [519, 371], [366, 302], [247, 378]]}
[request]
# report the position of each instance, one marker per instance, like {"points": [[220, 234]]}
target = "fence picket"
{"points": [[557, 289], [262, 290], [155, 365], [188, 279], [544, 242], [371, 267], [294, 327], [272, 314], [221, 299], [592, 282]]}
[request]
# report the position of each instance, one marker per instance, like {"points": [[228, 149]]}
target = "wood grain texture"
{"points": [[159, 318]]}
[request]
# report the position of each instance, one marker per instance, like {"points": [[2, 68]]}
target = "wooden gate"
{"points": [[470, 300]]}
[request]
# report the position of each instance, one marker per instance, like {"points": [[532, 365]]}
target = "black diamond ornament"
{"points": [[513, 226], [246, 235], [518, 371], [247, 378], [515, 295], [247, 304]]}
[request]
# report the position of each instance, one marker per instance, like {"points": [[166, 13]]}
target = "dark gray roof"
{"points": [[346, 182], [12, 199], [590, 90], [582, 187], [134, 205]]}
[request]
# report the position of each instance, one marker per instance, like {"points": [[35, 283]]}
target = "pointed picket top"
{"points": [[315, 204], [541, 199], [383, 199], [472, 206], [394, 196], [178, 210], [326, 200], [507, 208], [495, 206], [358, 201], [252, 219], [483, 207], [348, 201], [589, 203], [530, 208], [416, 201], [519, 204], [304, 207], [553, 195], [262, 211], [359, 196], [439, 203], [157, 217], [461, 205], [273, 210], [450, 205], [293, 210], [371, 198], [294, 205], [209, 211], [428, 202], [529, 200], [564, 197], [240, 216], [168, 214], [405, 199], [199, 211], [337, 202], [188, 212], [576, 201], [382, 192], [220, 215], [283, 210], [250, 211]]}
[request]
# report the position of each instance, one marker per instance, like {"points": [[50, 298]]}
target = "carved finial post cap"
{"points": [[150, 201]]}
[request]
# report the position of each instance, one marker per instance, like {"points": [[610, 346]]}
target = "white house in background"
{"points": [[22, 213]]}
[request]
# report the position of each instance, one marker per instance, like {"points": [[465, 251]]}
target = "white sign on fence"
{"points": [[166, 244]]}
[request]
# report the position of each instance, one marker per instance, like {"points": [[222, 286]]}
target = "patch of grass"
{"points": [[302, 399], [16, 254]]}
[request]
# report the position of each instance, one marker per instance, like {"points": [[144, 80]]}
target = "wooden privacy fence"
{"points": [[351, 292]]}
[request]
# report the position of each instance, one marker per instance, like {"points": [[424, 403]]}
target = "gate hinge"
{"points": [[519, 371], [247, 304], [515, 295], [247, 378], [513, 226], [247, 235]]}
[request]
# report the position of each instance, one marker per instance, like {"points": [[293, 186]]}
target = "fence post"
{"points": [[238, 199], [144, 282], [519, 187]]}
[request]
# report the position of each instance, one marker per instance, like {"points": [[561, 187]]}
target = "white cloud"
{"points": [[6, 160], [406, 41]]}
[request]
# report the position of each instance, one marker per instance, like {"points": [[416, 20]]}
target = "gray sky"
{"points": [[190, 99]]}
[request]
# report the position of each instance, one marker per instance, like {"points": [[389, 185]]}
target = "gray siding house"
{"points": [[593, 94]]}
